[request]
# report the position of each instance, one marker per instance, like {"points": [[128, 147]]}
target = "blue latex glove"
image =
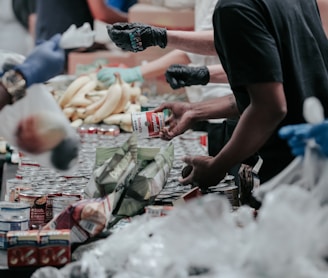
{"points": [[46, 61], [320, 134], [129, 75], [296, 136]]}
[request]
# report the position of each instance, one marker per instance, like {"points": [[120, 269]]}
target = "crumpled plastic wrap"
{"points": [[205, 239], [39, 100], [75, 37]]}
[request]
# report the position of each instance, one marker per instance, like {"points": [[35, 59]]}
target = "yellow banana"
{"points": [[72, 89], [79, 98], [125, 95], [110, 103]]}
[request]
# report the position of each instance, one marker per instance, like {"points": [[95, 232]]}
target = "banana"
{"points": [[79, 98], [72, 89], [77, 123], [127, 127], [113, 119], [68, 112], [135, 93], [92, 108], [133, 107], [111, 101], [80, 112], [125, 95]]}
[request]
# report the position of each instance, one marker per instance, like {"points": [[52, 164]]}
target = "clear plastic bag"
{"points": [[38, 100]]}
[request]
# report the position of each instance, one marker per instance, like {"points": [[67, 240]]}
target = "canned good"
{"points": [[148, 123], [9, 209], [38, 205], [109, 130], [61, 203], [13, 223], [13, 188]]}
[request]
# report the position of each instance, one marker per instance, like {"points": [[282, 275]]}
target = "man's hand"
{"points": [[136, 37], [179, 121], [181, 76], [203, 172], [46, 61]]}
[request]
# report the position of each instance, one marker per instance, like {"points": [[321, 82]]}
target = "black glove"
{"points": [[136, 36], [180, 76]]}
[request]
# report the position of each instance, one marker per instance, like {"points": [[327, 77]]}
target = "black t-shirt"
{"points": [[274, 41], [56, 16]]}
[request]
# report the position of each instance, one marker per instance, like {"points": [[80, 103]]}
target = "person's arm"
{"points": [[158, 66], [257, 123], [137, 37], [102, 12], [217, 74], [179, 76], [185, 114], [149, 70], [200, 42]]}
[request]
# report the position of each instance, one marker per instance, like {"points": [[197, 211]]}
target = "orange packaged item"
{"points": [[22, 248], [54, 247]]}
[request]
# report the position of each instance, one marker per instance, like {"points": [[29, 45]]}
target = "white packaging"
{"points": [[38, 99]]}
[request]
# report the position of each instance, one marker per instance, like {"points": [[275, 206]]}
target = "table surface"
{"points": [[189, 145]]}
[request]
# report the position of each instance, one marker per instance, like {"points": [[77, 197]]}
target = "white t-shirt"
{"points": [[13, 36], [203, 21]]}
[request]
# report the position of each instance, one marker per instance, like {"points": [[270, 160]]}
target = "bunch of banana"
{"points": [[86, 101]]}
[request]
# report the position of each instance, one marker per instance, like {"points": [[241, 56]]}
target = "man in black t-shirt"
{"points": [[275, 54]]}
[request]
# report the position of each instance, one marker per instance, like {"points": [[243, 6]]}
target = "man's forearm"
{"points": [[159, 66], [217, 74], [218, 108], [201, 42]]}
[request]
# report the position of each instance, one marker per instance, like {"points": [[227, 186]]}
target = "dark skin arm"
{"points": [[266, 110]]}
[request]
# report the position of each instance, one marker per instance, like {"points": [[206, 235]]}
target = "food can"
{"points": [[13, 223], [109, 130], [13, 188], [10, 209], [148, 124], [51, 194], [38, 206], [59, 204]]}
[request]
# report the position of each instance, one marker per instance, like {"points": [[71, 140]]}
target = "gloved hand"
{"points": [[136, 36], [129, 75], [296, 136], [320, 134], [46, 61], [180, 76]]}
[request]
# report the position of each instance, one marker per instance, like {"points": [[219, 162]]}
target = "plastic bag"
{"points": [[75, 37], [38, 100], [309, 172], [9, 59]]}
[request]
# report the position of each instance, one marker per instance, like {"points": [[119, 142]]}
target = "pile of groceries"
{"points": [[119, 175]]}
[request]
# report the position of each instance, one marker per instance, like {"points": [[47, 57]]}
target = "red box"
{"points": [[54, 247], [22, 248]]}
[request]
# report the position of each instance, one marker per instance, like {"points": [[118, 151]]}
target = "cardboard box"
{"points": [[172, 19]]}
